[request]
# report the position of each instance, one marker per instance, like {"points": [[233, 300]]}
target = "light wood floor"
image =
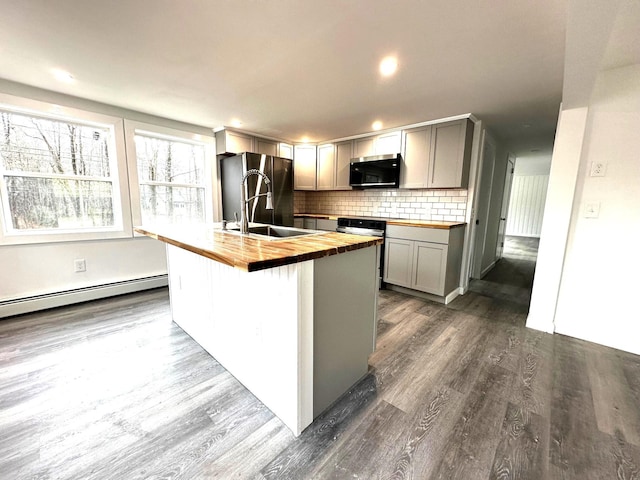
{"points": [[113, 389]]}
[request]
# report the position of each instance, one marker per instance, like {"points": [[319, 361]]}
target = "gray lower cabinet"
{"points": [[430, 260], [324, 224], [398, 261], [424, 259]]}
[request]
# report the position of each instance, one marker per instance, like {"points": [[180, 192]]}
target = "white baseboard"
{"points": [[487, 270], [427, 296], [452, 296], [19, 306]]}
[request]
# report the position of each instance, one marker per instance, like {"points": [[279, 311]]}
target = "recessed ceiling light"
{"points": [[388, 66], [63, 75], [305, 140], [236, 123], [377, 125]]}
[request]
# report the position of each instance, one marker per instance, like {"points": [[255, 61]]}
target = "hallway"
{"points": [[512, 277]]}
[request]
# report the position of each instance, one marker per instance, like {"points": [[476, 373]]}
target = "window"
{"points": [[59, 175], [173, 175]]}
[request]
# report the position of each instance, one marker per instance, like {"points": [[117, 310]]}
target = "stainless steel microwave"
{"points": [[382, 171]]}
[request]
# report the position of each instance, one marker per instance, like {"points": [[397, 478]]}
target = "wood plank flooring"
{"points": [[112, 389]]}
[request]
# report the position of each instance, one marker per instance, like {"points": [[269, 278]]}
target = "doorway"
{"points": [[518, 236]]}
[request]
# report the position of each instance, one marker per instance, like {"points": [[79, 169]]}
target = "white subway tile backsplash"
{"points": [[392, 203]]}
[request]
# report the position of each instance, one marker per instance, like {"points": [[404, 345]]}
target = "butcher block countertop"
{"points": [[251, 254], [392, 221]]}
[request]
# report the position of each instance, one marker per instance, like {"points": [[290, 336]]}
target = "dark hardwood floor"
{"points": [[113, 389], [512, 276]]}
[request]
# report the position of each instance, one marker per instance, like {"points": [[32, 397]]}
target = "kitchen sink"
{"points": [[273, 232]]}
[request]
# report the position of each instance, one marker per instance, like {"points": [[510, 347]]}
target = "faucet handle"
{"points": [[235, 215]]}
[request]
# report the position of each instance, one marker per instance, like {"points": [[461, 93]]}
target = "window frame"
{"points": [[133, 128], [122, 227]]}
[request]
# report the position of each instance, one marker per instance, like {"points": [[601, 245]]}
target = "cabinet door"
{"points": [[326, 167], [450, 154], [326, 224], [388, 143], [363, 147], [344, 154], [237, 142], [266, 147], [304, 167], [285, 151], [415, 158], [430, 267], [398, 260], [310, 223]]}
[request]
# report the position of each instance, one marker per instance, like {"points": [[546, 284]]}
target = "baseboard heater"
{"points": [[19, 306]]}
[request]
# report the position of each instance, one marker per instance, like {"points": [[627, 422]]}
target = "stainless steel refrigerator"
{"points": [[280, 172]]}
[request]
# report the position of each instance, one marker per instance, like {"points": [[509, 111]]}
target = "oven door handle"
{"points": [[361, 231]]}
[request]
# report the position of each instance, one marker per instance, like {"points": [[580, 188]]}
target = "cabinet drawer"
{"points": [[423, 234]]}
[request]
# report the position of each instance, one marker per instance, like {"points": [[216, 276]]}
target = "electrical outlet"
{"points": [[80, 265], [592, 210], [597, 169]]}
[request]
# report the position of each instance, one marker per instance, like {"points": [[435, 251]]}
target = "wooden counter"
{"points": [[251, 254], [390, 221], [291, 319]]}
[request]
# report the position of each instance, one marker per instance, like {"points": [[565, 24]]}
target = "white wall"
{"points": [[526, 205], [489, 255], [528, 194], [38, 269], [567, 151], [533, 164], [29, 270], [598, 290]]}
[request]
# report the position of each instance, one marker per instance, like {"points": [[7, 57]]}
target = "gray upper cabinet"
{"points": [[437, 156], [326, 165], [304, 167], [382, 144], [363, 147], [387, 143], [344, 154], [285, 150], [415, 158], [229, 141], [267, 147], [450, 154]]}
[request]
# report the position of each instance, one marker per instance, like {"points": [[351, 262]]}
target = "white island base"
{"points": [[297, 336]]}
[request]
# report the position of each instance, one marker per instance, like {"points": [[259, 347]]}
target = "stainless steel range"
{"points": [[369, 227]]}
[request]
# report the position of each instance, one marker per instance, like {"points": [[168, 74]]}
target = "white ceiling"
{"points": [[296, 68]]}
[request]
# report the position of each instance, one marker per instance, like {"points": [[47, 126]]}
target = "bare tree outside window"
{"points": [[171, 177], [58, 175]]}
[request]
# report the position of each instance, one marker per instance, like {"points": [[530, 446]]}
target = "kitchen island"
{"points": [[293, 319]]}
